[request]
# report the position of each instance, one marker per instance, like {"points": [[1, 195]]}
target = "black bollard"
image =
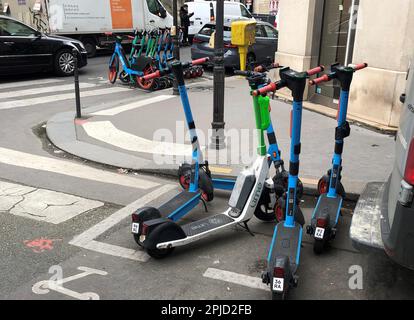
{"points": [[76, 76]]}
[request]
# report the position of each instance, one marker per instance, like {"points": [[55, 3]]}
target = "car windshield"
{"points": [[13, 28], [208, 29]]}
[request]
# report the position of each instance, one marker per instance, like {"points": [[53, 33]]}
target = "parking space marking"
{"points": [[131, 106], [59, 97], [35, 91], [236, 278], [87, 240], [20, 84], [68, 168], [105, 131], [44, 287]]}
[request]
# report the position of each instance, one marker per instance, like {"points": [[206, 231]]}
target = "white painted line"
{"points": [[42, 205], [36, 91], [131, 106], [105, 131], [59, 97], [86, 239], [44, 287], [19, 84], [236, 278], [68, 168]]}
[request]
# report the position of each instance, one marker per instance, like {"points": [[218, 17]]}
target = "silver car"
{"points": [[384, 215], [263, 50]]}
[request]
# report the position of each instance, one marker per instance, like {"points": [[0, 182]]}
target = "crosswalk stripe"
{"points": [[68, 168], [36, 91], [236, 278], [28, 83], [105, 131], [59, 97], [134, 105], [87, 238]]}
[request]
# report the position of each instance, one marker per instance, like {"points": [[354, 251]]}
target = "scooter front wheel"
{"points": [[263, 210], [318, 246], [160, 253], [323, 186], [113, 69], [124, 77]]}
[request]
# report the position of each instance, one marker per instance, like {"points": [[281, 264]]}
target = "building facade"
{"points": [[313, 32]]}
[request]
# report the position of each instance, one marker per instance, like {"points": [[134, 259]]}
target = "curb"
{"points": [[60, 130]]}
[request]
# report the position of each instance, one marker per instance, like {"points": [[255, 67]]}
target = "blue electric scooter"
{"points": [[284, 252], [326, 215]]}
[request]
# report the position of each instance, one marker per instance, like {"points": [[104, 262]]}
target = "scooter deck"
{"points": [[180, 200], [287, 243], [330, 206], [206, 224], [223, 182]]}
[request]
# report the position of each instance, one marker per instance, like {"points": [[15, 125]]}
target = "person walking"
{"points": [[185, 23]]}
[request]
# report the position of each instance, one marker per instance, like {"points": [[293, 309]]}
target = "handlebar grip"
{"points": [[360, 66], [319, 80], [199, 61], [151, 76], [108, 33], [241, 73], [269, 88], [316, 70]]}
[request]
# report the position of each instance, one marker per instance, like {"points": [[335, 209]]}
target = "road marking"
{"points": [[59, 97], [105, 131], [44, 287], [36, 91], [67, 168], [42, 205], [236, 278], [131, 106], [221, 170], [86, 239], [19, 84]]}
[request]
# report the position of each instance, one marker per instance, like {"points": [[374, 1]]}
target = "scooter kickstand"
{"points": [[247, 228], [204, 204]]}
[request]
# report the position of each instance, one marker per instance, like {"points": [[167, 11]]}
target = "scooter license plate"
{"points": [[278, 284], [135, 228], [319, 233]]}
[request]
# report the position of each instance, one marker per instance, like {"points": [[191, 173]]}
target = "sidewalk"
{"points": [[121, 133]]}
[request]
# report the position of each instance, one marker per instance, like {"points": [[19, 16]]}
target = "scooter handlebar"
{"points": [[360, 66], [269, 88], [199, 61], [319, 80], [158, 74], [264, 68], [314, 71]]}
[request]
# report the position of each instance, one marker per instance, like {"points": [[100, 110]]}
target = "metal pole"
{"points": [[76, 76], [217, 139], [176, 43]]}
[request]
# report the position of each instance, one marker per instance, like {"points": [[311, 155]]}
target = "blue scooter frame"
{"points": [[326, 215], [141, 67], [284, 253]]}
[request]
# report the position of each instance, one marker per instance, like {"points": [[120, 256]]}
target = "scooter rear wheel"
{"points": [[323, 186], [279, 296], [318, 246], [160, 253], [145, 214]]}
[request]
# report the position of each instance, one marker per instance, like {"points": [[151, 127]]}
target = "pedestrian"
{"points": [[185, 23]]}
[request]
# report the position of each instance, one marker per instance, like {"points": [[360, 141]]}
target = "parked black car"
{"points": [[26, 50], [264, 48]]}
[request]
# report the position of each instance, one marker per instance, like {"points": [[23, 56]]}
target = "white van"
{"points": [[205, 12]]}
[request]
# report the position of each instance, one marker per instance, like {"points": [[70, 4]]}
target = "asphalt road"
{"points": [[108, 263]]}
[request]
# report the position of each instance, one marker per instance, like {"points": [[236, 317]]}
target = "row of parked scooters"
{"points": [[254, 191], [150, 51]]}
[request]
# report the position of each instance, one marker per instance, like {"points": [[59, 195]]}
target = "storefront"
{"points": [[313, 32]]}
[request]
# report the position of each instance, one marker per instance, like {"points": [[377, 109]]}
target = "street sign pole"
{"points": [[217, 138], [176, 43]]}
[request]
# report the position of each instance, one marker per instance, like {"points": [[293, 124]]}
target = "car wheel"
{"points": [[64, 63], [90, 46]]}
